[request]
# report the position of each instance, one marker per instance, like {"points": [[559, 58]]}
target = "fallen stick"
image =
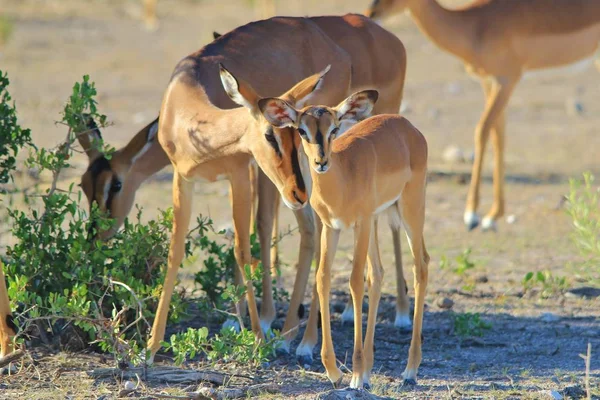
{"points": [[164, 375], [14, 356]]}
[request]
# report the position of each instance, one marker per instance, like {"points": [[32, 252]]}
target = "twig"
{"points": [[588, 360], [137, 300], [14, 356]]}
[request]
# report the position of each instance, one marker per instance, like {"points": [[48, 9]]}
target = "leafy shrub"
{"points": [[469, 324], [583, 206], [548, 283], [227, 346]]}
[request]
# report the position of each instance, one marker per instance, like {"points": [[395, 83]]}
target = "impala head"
{"points": [[380, 9], [318, 126], [276, 148], [105, 182]]}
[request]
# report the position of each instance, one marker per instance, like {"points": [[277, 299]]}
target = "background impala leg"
{"points": [[498, 144], [402, 320], [306, 225], [240, 306], [240, 191], [374, 279], [497, 93], [275, 272], [329, 241], [304, 351], [413, 215], [182, 207]]}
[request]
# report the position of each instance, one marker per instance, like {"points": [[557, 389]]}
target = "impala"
{"points": [[499, 41], [379, 164]]}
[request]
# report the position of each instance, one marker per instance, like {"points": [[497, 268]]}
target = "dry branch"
{"points": [[170, 375], [14, 356]]}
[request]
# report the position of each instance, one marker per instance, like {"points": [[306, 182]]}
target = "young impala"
{"points": [[500, 41], [379, 164]]}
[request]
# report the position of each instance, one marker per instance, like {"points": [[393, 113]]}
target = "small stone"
{"points": [[511, 219], [482, 279], [128, 385], [444, 303], [574, 107], [453, 88], [550, 394], [549, 317], [453, 154], [574, 392]]}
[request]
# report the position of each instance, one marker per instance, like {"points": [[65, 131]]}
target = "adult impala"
{"points": [[384, 159], [499, 41], [202, 140]]}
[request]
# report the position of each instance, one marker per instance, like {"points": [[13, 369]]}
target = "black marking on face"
{"points": [[296, 169], [319, 139], [10, 322], [98, 166], [270, 136]]}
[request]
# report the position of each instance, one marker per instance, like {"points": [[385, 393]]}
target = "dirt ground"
{"points": [[533, 345]]}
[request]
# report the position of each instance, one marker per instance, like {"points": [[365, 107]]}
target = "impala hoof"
{"points": [[488, 225], [367, 386], [304, 361], [403, 323], [471, 220], [338, 384], [409, 382]]}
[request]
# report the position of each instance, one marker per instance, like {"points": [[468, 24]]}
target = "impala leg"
{"points": [[374, 279], [362, 231], [182, 207], [329, 242], [497, 95], [240, 191], [237, 281], [7, 326], [306, 225], [402, 302], [413, 215], [498, 144], [275, 272], [254, 194], [311, 333], [267, 195], [150, 14]]}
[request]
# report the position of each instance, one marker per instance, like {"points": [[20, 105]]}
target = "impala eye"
{"points": [[302, 132], [334, 131], [116, 186]]}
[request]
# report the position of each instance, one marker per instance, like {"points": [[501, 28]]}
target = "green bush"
{"points": [[108, 290]]}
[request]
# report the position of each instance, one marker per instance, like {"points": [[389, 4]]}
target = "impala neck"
{"points": [[329, 187], [451, 30]]}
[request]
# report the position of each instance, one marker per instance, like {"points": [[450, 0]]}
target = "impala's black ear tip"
{"points": [[216, 35], [373, 95]]}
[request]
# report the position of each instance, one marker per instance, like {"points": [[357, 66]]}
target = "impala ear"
{"points": [[304, 91], [140, 143], [90, 138], [216, 35], [278, 112], [358, 106], [238, 90]]}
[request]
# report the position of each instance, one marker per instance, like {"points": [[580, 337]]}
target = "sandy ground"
{"points": [[56, 42]]}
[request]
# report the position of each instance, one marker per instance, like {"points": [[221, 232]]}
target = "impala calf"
{"points": [[379, 164], [500, 41]]}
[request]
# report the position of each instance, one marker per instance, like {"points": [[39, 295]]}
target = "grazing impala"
{"points": [[499, 41], [379, 164], [202, 140]]}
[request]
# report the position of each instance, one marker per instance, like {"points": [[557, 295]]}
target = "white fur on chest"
{"points": [[339, 225]]}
